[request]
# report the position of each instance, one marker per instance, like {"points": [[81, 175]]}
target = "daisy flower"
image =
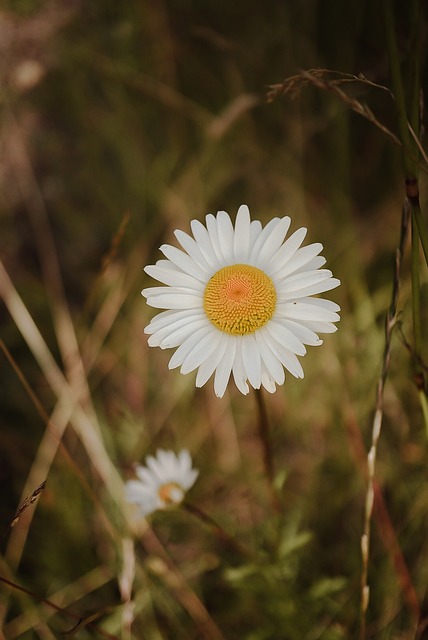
{"points": [[163, 482], [239, 301]]}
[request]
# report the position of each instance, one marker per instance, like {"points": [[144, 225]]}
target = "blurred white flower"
{"points": [[163, 482], [239, 300]]}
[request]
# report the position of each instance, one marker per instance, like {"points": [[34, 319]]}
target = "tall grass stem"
{"points": [[390, 323]]}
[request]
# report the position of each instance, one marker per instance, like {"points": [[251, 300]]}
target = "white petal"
{"points": [[178, 336], [170, 317], [286, 357], [251, 360], [269, 241], [146, 477], [173, 278], [204, 243], [166, 264], [317, 287], [147, 503], [208, 367], [183, 262], [211, 223], [224, 368], [186, 347], [173, 298], [225, 235], [184, 461], [136, 491], [268, 382], [306, 284], [284, 336], [241, 244], [272, 364], [299, 310], [321, 303], [312, 265], [259, 241], [255, 231], [190, 479], [300, 280], [156, 468], [202, 351], [288, 249], [319, 327], [298, 260], [239, 374], [193, 249], [305, 335]]}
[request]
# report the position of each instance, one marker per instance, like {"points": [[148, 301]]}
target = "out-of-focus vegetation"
{"points": [[121, 121]]}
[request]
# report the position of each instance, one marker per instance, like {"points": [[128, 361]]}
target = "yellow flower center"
{"points": [[239, 299], [170, 493]]}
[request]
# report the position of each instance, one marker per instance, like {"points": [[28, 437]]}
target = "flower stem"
{"points": [[222, 536], [263, 428]]}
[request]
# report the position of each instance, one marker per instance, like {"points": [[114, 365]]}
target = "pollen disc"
{"points": [[170, 493], [239, 299]]}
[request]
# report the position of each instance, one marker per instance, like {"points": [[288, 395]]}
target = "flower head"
{"points": [[239, 300], [163, 482]]}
